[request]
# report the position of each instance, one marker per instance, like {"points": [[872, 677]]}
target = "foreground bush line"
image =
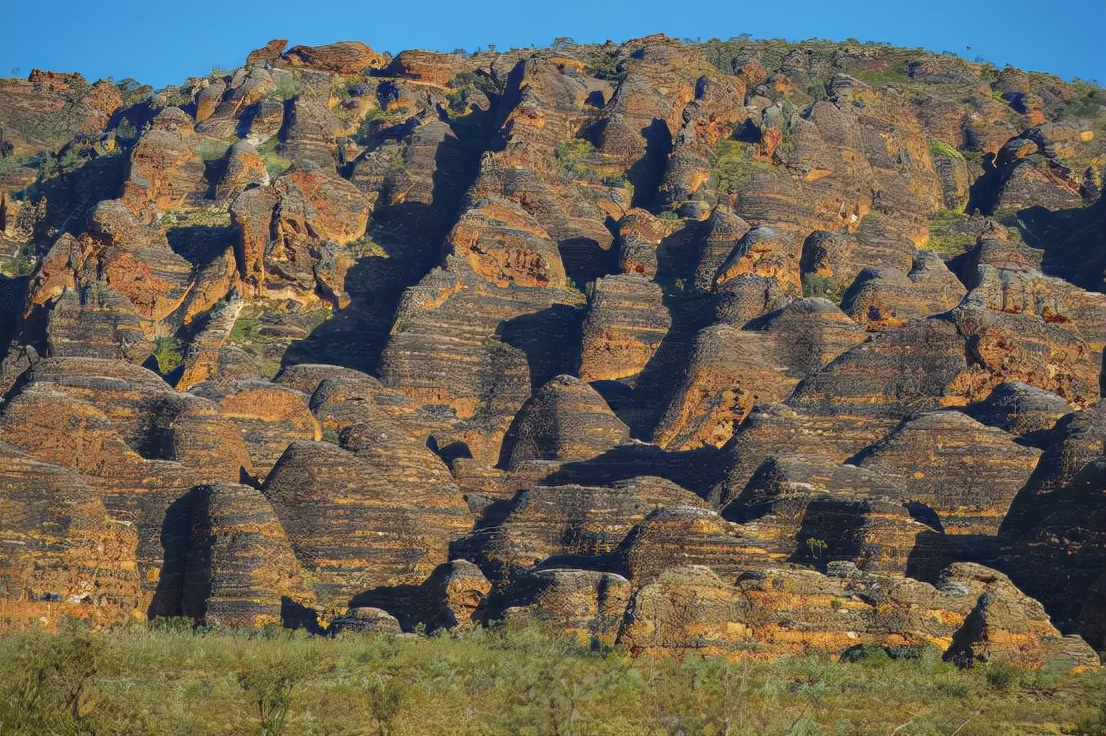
{"points": [[168, 679]]}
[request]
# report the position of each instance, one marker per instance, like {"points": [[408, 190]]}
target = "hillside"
{"points": [[745, 347]]}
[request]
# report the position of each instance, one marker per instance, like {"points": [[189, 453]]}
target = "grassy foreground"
{"points": [[501, 681]]}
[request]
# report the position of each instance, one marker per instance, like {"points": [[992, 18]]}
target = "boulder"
{"points": [[1022, 410], [504, 245], [343, 57], [583, 602], [352, 527]]}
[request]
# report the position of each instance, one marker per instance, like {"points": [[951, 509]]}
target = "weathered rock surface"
{"points": [[1011, 346], [54, 427], [968, 474], [116, 255], [787, 611], [366, 619], [841, 257], [727, 374], [890, 298], [63, 555], [774, 430], [565, 420], [688, 534], [352, 527], [575, 522], [502, 341], [154, 421], [626, 322], [1056, 546], [554, 333], [586, 602], [239, 567], [344, 57], [244, 168], [814, 512], [68, 101], [891, 375], [730, 370], [269, 417], [165, 170], [506, 246], [1022, 410], [289, 233], [686, 608], [1007, 625], [453, 593]]}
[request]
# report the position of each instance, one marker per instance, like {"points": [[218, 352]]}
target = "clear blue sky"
{"points": [[162, 42]]}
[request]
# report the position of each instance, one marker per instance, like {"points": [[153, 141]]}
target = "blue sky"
{"points": [[163, 42]]}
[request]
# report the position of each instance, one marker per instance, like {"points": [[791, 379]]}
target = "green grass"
{"points": [[8, 164], [506, 680], [212, 150], [20, 264], [247, 328]]}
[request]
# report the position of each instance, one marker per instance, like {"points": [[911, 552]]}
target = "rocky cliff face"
{"points": [[749, 347]]}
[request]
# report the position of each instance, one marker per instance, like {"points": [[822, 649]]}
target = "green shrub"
{"points": [[167, 354], [247, 328], [939, 147], [269, 680], [571, 153], [1001, 675], [516, 678], [21, 264], [125, 133], [385, 695], [486, 83], [275, 165], [952, 233], [734, 166], [49, 682], [821, 286]]}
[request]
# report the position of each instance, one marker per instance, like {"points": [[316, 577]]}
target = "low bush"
{"points": [[166, 680]]}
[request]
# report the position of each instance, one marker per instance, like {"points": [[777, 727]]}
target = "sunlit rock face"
{"points": [[727, 347]]}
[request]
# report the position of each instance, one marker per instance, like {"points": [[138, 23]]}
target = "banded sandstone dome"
{"points": [[746, 346]]}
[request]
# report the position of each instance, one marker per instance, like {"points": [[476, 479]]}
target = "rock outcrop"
{"points": [[565, 420], [239, 567], [966, 473], [63, 554], [355, 528], [724, 346]]}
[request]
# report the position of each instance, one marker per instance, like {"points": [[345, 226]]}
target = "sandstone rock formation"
{"points": [[722, 346], [566, 419], [239, 567], [352, 528], [966, 473], [63, 554]]}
